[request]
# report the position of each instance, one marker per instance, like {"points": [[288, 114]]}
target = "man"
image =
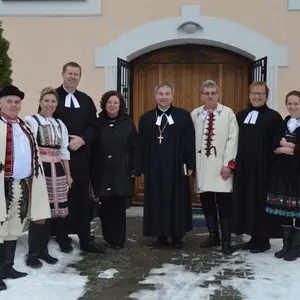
{"points": [[258, 129], [216, 132], [168, 149], [23, 191], [78, 112]]}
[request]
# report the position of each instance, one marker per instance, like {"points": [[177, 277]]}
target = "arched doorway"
{"points": [[186, 67]]}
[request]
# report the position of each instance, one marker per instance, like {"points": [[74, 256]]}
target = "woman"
{"points": [[53, 140], [284, 190], [115, 158], [257, 128]]}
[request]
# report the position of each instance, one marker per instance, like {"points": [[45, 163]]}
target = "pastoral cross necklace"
{"points": [[160, 137]]}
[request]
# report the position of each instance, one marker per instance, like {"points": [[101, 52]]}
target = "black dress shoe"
{"points": [[11, 273], [48, 258], [2, 285], [161, 242], [92, 247], [177, 243], [262, 247], [33, 261]]}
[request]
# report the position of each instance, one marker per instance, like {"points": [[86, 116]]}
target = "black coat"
{"points": [[254, 162], [115, 157]]}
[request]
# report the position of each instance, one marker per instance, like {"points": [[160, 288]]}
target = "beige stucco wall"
{"points": [[41, 45]]}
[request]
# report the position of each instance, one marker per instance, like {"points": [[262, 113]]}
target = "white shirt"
{"points": [[22, 155], [62, 132]]}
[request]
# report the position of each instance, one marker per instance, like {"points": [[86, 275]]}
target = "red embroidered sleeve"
{"points": [[231, 164]]}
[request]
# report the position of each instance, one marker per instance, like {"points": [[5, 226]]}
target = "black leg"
{"points": [[224, 207], [2, 283], [209, 209]]}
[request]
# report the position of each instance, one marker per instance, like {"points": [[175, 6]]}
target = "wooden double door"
{"points": [[186, 67]]}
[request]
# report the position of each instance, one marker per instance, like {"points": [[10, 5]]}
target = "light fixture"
{"points": [[189, 27]]}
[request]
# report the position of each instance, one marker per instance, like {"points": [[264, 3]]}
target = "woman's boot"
{"points": [[43, 252], [293, 252], [287, 239]]}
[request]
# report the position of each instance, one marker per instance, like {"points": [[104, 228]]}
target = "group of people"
{"points": [[245, 168]]}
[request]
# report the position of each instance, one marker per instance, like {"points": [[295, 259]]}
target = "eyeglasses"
{"points": [[258, 94], [207, 94]]}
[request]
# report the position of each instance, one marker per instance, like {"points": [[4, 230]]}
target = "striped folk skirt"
{"points": [[56, 181]]}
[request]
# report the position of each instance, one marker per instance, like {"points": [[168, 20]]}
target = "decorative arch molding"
{"points": [[211, 31]]}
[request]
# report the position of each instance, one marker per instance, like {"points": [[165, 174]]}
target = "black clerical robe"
{"points": [[167, 199], [254, 160], [82, 122]]}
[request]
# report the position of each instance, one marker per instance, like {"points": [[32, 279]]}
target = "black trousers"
{"points": [[112, 213], [78, 197], [214, 203]]}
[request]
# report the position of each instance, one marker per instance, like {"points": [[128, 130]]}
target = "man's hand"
{"points": [[76, 142], [225, 173]]}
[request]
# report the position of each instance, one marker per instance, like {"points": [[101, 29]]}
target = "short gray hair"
{"points": [[209, 84], [164, 84]]}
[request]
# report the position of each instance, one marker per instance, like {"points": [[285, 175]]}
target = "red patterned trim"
{"points": [[232, 164]]}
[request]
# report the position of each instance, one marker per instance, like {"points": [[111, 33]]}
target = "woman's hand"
{"points": [[69, 180], [284, 143], [284, 150]]}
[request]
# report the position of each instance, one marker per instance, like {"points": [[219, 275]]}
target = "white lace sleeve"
{"points": [[33, 125], [64, 152]]}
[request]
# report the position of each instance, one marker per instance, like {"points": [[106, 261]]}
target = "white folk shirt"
{"points": [[60, 130], [22, 153], [223, 148]]}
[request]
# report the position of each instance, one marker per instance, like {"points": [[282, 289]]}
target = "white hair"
{"points": [[209, 84]]}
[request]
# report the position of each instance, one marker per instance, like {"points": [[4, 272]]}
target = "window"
{"points": [[294, 5], [50, 7]]}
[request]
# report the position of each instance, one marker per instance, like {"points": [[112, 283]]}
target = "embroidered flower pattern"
{"points": [[209, 135], [283, 200], [285, 206]]}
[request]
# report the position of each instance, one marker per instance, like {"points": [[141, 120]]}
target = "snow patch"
{"points": [[51, 282], [108, 274]]}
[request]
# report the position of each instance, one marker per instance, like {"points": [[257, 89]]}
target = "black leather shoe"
{"points": [[92, 247], [48, 258], [33, 261], [161, 242], [11, 273], [177, 243], [262, 246], [2, 285]]}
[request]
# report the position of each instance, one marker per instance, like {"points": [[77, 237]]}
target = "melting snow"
{"points": [[273, 279], [49, 282], [108, 274]]}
